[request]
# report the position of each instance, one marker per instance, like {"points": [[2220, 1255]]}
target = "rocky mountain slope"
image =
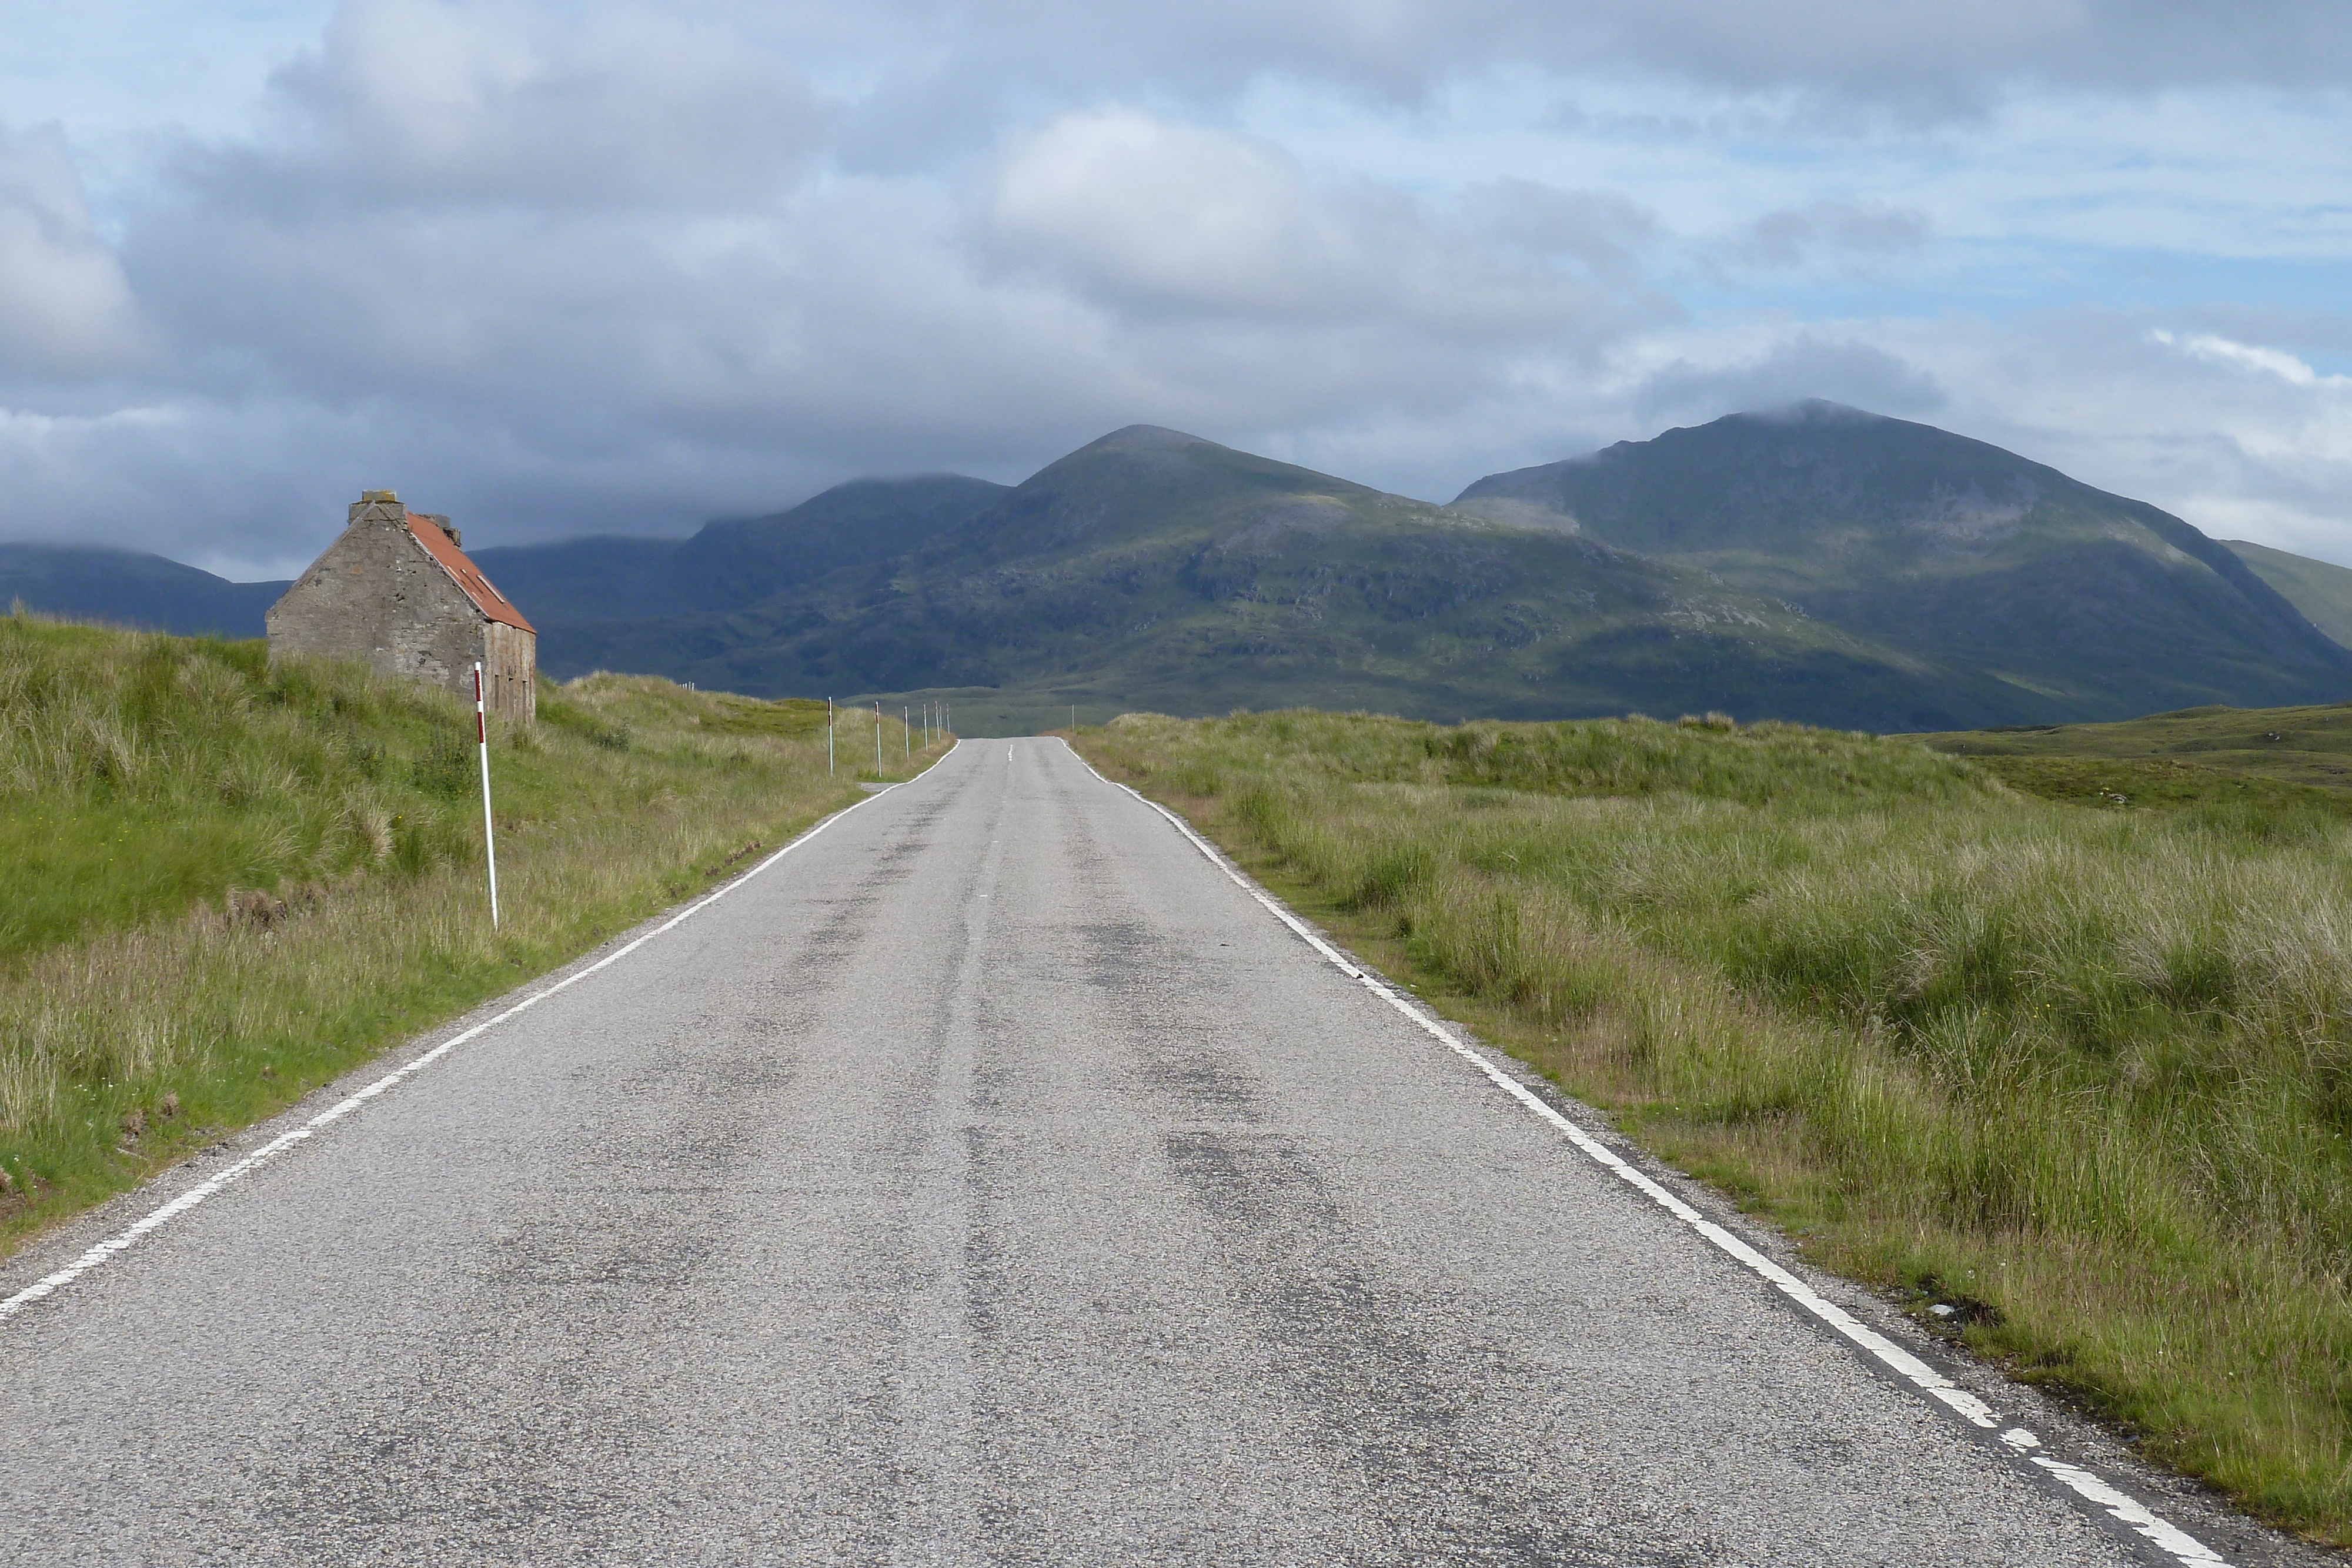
{"points": [[1818, 564], [1152, 568], [2088, 605], [2321, 590]]}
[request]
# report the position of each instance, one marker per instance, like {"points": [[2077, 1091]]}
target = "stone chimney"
{"points": [[438, 521], [377, 506]]}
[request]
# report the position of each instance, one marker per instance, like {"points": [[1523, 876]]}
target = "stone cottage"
{"points": [[396, 592]]}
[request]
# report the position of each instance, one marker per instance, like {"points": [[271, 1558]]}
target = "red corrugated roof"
{"points": [[487, 600]]}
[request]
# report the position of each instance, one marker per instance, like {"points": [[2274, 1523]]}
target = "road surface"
{"points": [[989, 1180]]}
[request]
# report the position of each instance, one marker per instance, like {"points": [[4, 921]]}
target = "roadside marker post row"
{"points": [[155, 1220], [2016, 1441]]}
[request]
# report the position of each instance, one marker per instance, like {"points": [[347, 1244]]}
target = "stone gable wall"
{"points": [[378, 596]]}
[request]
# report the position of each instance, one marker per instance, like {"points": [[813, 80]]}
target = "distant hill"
{"points": [[2240, 759], [1818, 564], [1155, 568], [124, 588], [2321, 590], [2308, 745], [561, 584], [728, 564], [2088, 605]]}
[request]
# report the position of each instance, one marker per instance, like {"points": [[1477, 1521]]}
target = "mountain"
{"points": [[1818, 564], [731, 564], [2088, 605], [2321, 591], [125, 588], [566, 583], [1155, 568]]}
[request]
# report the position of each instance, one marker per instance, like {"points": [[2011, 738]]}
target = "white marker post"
{"points": [[489, 841], [907, 733], [877, 740], [829, 768]]}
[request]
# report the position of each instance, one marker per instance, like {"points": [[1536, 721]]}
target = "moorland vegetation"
{"points": [[2080, 1071], [222, 884]]}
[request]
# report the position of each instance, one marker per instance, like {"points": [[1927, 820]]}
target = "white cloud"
{"points": [[2217, 350], [436, 102], [1845, 369], [65, 309], [1170, 217], [1832, 230]]}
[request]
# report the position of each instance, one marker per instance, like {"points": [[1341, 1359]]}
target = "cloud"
{"points": [[440, 104], [2216, 349], [1176, 215], [1842, 370], [627, 264], [1163, 217], [1837, 231], [1911, 59], [1915, 58], [613, 356], [65, 308]]}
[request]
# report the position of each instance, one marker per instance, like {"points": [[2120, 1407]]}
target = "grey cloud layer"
{"points": [[1869, 49], [628, 266], [65, 306]]}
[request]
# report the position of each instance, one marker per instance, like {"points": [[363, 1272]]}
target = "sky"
{"points": [[567, 266]]}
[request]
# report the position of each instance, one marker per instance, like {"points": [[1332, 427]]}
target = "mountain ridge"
{"points": [[1950, 549], [2321, 589], [1155, 567], [131, 588], [1816, 563]]}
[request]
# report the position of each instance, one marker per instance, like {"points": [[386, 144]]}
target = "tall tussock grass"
{"points": [[2084, 1075], [222, 884]]}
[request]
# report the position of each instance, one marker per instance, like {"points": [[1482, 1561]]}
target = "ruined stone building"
{"points": [[396, 591]]}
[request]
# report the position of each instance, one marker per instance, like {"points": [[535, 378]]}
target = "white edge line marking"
{"points": [[50, 1284], [2125, 1508]]}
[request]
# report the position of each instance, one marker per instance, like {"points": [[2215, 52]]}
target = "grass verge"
{"points": [[2082, 1072], [225, 885]]}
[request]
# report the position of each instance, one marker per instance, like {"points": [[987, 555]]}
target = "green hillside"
{"points": [[2323, 591], [1154, 569], [221, 884], [127, 587], [2270, 759], [2090, 606], [728, 564]]}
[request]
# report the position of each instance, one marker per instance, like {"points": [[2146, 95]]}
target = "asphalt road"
{"points": [[989, 1180]]}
